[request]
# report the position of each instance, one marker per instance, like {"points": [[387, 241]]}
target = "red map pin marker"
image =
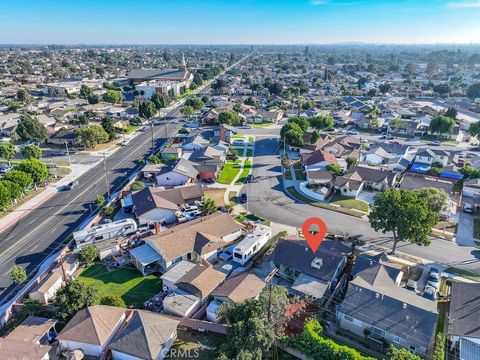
{"points": [[314, 240]]}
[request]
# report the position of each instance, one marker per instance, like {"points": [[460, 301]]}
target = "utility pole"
{"points": [[68, 153], [153, 143], [268, 280], [64, 273], [106, 175]]}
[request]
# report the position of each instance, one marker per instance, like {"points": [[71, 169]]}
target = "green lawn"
{"points": [[238, 152], [263, 125], [126, 282], [350, 203], [251, 139], [322, 205], [229, 172], [131, 128], [238, 136], [463, 273], [247, 167]]}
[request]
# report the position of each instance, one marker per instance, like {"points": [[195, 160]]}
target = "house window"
{"points": [[377, 333], [412, 349], [348, 318], [396, 339]]}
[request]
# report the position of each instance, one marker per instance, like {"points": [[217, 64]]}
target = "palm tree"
{"points": [[207, 206]]}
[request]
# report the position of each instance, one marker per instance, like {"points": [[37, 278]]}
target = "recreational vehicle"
{"points": [[104, 232], [251, 244]]}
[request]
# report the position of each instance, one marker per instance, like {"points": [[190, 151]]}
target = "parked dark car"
{"points": [[248, 179], [209, 180], [243, 198], [231, 156]]}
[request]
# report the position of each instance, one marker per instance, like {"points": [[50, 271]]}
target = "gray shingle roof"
{"points": [[295, 253], [464, 319], [144, 335]]}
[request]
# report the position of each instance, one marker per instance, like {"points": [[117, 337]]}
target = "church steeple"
{"points": [[184, 64]]}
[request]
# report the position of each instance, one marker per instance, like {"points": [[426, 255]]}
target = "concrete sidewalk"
{"points": [[14, 216]]}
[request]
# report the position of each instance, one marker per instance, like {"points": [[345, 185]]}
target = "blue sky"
{"points": [[238, 21]]}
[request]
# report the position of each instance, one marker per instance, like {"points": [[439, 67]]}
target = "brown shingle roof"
{"points": [[11, 349], [92, 325], [32, 329], [202, 236], [240, 287], [201, 280]]}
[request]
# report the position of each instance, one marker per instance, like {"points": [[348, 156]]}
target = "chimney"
{"points": [[377, 295], [157, 228], [404, 305]]}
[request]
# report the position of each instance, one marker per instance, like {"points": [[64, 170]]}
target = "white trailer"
{"points": [[251, 244], [104, 232]]}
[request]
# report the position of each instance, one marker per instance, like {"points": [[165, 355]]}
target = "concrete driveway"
{"points": [[465, 225], [367, 196]]}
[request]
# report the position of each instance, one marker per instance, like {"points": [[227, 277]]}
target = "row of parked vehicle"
{"points": [[432, 285]]}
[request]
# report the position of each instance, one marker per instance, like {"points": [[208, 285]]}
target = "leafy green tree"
{"points": [[30, 129], [108, 211], [473, 91], [401, 354], [85, 92], [31, 151], [23, 95], [160, 100], [403, 213], [107, 125], [187, 111], [137, 185], [292, 134], [18, 275], [300, 121], [146, 109], [441, 89], [441, 124], [385, 88], [32, 307], [351, 161], [195, 103], [93, 99], [439, 349], [314, 138], [15, 189], [275, 88], [208, 206], [7, 151], [469, 172], [335, 169], [154, 159], [5, 196], [72, 297], [436, 198], [321, 122], [91, 135], [256, 323], [113, 300], [88, 254], [99, 201], [37, 169], [112, 96], [451, 113], [23, 179], [228, 117], [474, 129]]}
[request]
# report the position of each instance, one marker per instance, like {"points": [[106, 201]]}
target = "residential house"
{"points": [[235, 290], [360, 178], [9, 123], [145, 335], [171, 153], [34, 330], [63, 137], [376, 307], [209, 162], [318, 160], [158, 205], [196, 284], [312, 274], [181, 172], [47, 287], [471, 188], [463, 320], [431, 156], [195, 142], [342, 117], [91, 329], [380, 154], [344, 146], [17, 349], [197, 239]]}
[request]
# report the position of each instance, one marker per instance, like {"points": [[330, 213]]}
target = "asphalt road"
{"points": [[42, 231], [267, 199]]}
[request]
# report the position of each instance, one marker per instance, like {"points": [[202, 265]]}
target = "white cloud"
{"points": [[463, 4], [317, 2]]}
